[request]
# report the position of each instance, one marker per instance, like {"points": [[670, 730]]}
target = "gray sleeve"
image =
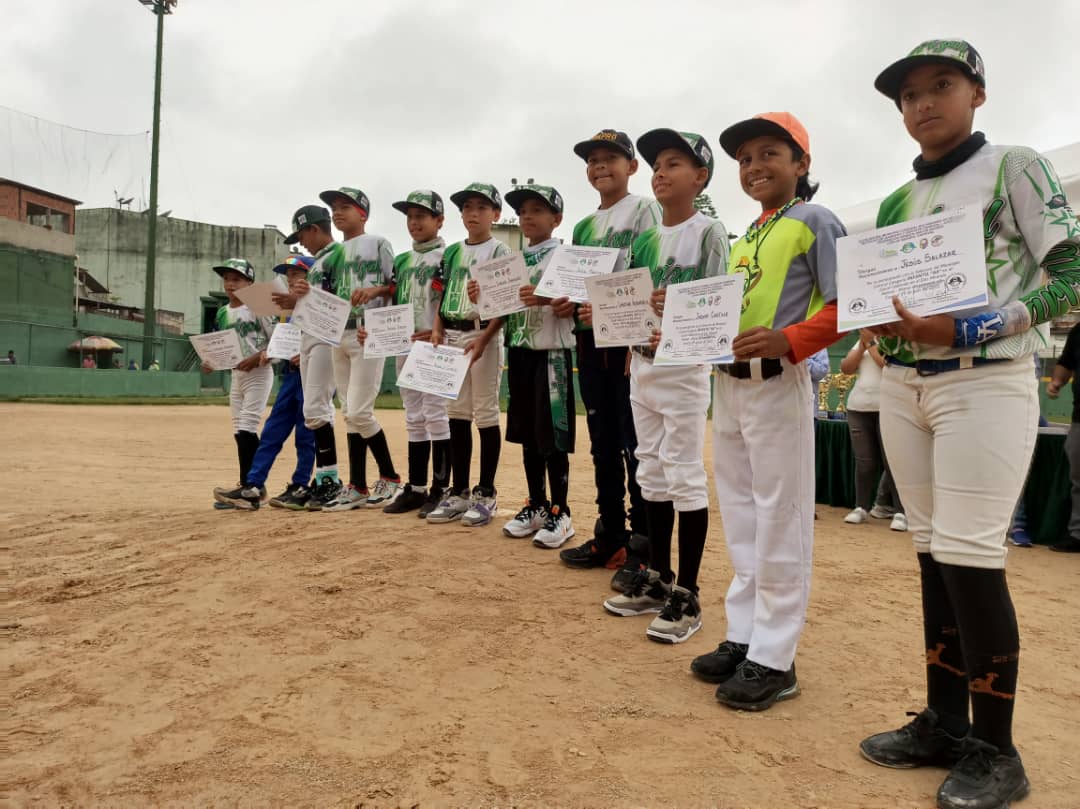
{"points": [[821, 257]]}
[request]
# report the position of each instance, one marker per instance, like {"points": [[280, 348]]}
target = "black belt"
{"points": [[464, 325], [741, 370], [350, 323], [934, 367]]}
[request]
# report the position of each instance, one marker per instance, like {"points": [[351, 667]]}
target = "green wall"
{"points": [[24, 380]]}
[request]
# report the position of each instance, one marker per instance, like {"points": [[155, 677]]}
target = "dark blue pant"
{"points": [[605, 391], [286, 415]]}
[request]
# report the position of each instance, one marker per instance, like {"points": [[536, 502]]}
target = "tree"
{"points": [[704, 204]]}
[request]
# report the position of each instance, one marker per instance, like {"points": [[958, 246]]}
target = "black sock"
{"points": [[946, 672], [357, 460], [240, 441], [693, 528], [380, 451], [419, 451], [461, 453], [490, 446], [661, 520], [991, 642], [325, 448], [534, 474], [558, 469], [247, 444], [440, 464]]}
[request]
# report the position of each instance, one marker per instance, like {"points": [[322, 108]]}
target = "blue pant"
{"points": [[286, 414]]}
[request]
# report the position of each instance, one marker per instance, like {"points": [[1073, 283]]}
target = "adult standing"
{"points": [[1065, 368]]}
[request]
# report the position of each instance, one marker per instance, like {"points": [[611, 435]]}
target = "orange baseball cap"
{"points": [[780, 124]]}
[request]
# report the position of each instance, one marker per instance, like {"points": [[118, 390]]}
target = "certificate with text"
{"points": [[220, 350], [389, 329], [568, 267], [701, 321], [434, 369], [500, 283], [621, 312], [322, 315]]}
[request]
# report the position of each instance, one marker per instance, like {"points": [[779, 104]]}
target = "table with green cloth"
{"points": [[1046, 496]]}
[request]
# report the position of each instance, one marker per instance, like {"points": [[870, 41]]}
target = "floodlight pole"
{"points": [[160, 8]]}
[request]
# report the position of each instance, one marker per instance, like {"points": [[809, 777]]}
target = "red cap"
{"points": [[782, 124]]}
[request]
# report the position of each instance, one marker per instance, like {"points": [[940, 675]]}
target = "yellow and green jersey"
{"points": [[689, 251], [452, 278], [254, 332], [538, 328], [414, 272]]}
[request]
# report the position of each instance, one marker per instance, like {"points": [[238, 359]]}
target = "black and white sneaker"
{"points": [[985, 778], [431, 502], [245, 498], [922, 742], [637, 558], [678, 620], [754, 687], [647, 593], [715, 667], [294, 498], [410, 498], [528, 521], [326, 491]]}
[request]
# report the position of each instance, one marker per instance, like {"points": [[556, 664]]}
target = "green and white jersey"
{"points": [[369, 262], [1027, 226], [618, 226], [414, 272], [689, 251], [254, 332], [453, 276], [538, 328], [328, 271]]}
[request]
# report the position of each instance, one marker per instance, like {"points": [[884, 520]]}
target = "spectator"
{"points": [[1066, 367], [864, 424], [153, 366], [116, 364], [132, 365], [11, 358], [89, 362]]}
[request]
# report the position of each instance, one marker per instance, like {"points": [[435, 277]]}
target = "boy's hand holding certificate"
{"points": [[434, 369], [500, 282], [621, 313], [568, 267], [389, 331], [701, 321]]}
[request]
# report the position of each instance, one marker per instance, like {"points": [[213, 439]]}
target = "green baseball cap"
{"points": [[483, 190], [353, 195], [956, 53], [422, 198], [240, 265], [308, 215], [655, 141], [545, 193]]}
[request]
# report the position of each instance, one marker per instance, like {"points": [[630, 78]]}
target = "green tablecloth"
{"points": [[1047, 495]]}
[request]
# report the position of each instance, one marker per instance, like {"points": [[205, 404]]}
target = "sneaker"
{"points": [[528, 521], [678, 620], [754, 687], [881, 512], [224, 506], [246, 498], [219, 490], [899, 522], [557, 529], [919, 743], [856, 516], [481, 509], [348, 498], [715, 667], [1070, 545], [645, 594], [410, 499], [449, 509], [985, 778], [637, 558], [325, 492], [1020, 538], [294, 497], [383, 492], [431, 502]]}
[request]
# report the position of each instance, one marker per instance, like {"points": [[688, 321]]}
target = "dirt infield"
{"points": [[160, 652]]}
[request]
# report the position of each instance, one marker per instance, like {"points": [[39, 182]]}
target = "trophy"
{"points": [[844, 383], [824, 386]]}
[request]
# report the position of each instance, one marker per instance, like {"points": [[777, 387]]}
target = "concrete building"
{"points": [[111, 244], [24, 203]]}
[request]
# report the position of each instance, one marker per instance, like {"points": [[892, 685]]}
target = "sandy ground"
{"points": [[158, 652]]}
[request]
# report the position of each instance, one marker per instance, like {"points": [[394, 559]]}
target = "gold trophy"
{"points": [[844, 383], [823, 388]]}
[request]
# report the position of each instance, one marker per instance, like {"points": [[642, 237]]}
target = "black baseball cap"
{"points": [[607, 138], [656, 140], [308, 215], [421, 198], [483, 190], [545, 193], [956, 53], [240, 265]]}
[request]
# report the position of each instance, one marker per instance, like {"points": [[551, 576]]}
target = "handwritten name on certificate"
{"points": [[220, 350], [322, 315], [434, 369], [935, 264], [500, 281], [389, 329], [701, 321], [568, 267], [621, 313]]}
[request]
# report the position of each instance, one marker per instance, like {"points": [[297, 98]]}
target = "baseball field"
{"points": [[159, 652]]}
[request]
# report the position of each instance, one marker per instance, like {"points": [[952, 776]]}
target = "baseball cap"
{"points": [[308, 215], [545, 193], [781, 124], [295, 260], [610, 138], [656, 140], [485, 190], [957, 53], [240, 265], [423, 198], [353, 195]]}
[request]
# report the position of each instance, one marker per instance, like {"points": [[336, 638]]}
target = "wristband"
{"points": [[1012, 318]]}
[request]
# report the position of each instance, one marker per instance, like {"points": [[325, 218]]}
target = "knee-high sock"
{"points": [[558, 469], [380, 451], [357, 460], [946, 670], [461, 453], [490, 447], [661, 521], [440, 464], [693, 528], [247, 444], [534, 474], [419, 451], [325, 453]]}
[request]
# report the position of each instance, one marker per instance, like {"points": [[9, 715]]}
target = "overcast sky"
{"points": [[266, 102]]}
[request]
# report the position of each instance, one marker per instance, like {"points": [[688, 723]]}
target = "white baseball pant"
{"points": [[478, 400], [317, 378], [248, 393], [426, 417], [763, 468], [670, 404], [959, 446], [359, 380]]}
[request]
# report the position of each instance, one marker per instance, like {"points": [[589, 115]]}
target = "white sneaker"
{"points": [[557, 529], [881, 512], [481, 510], [527, 521], [899, 522], [348, 498], [450, 509], [382, 492], [857, 516]]}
